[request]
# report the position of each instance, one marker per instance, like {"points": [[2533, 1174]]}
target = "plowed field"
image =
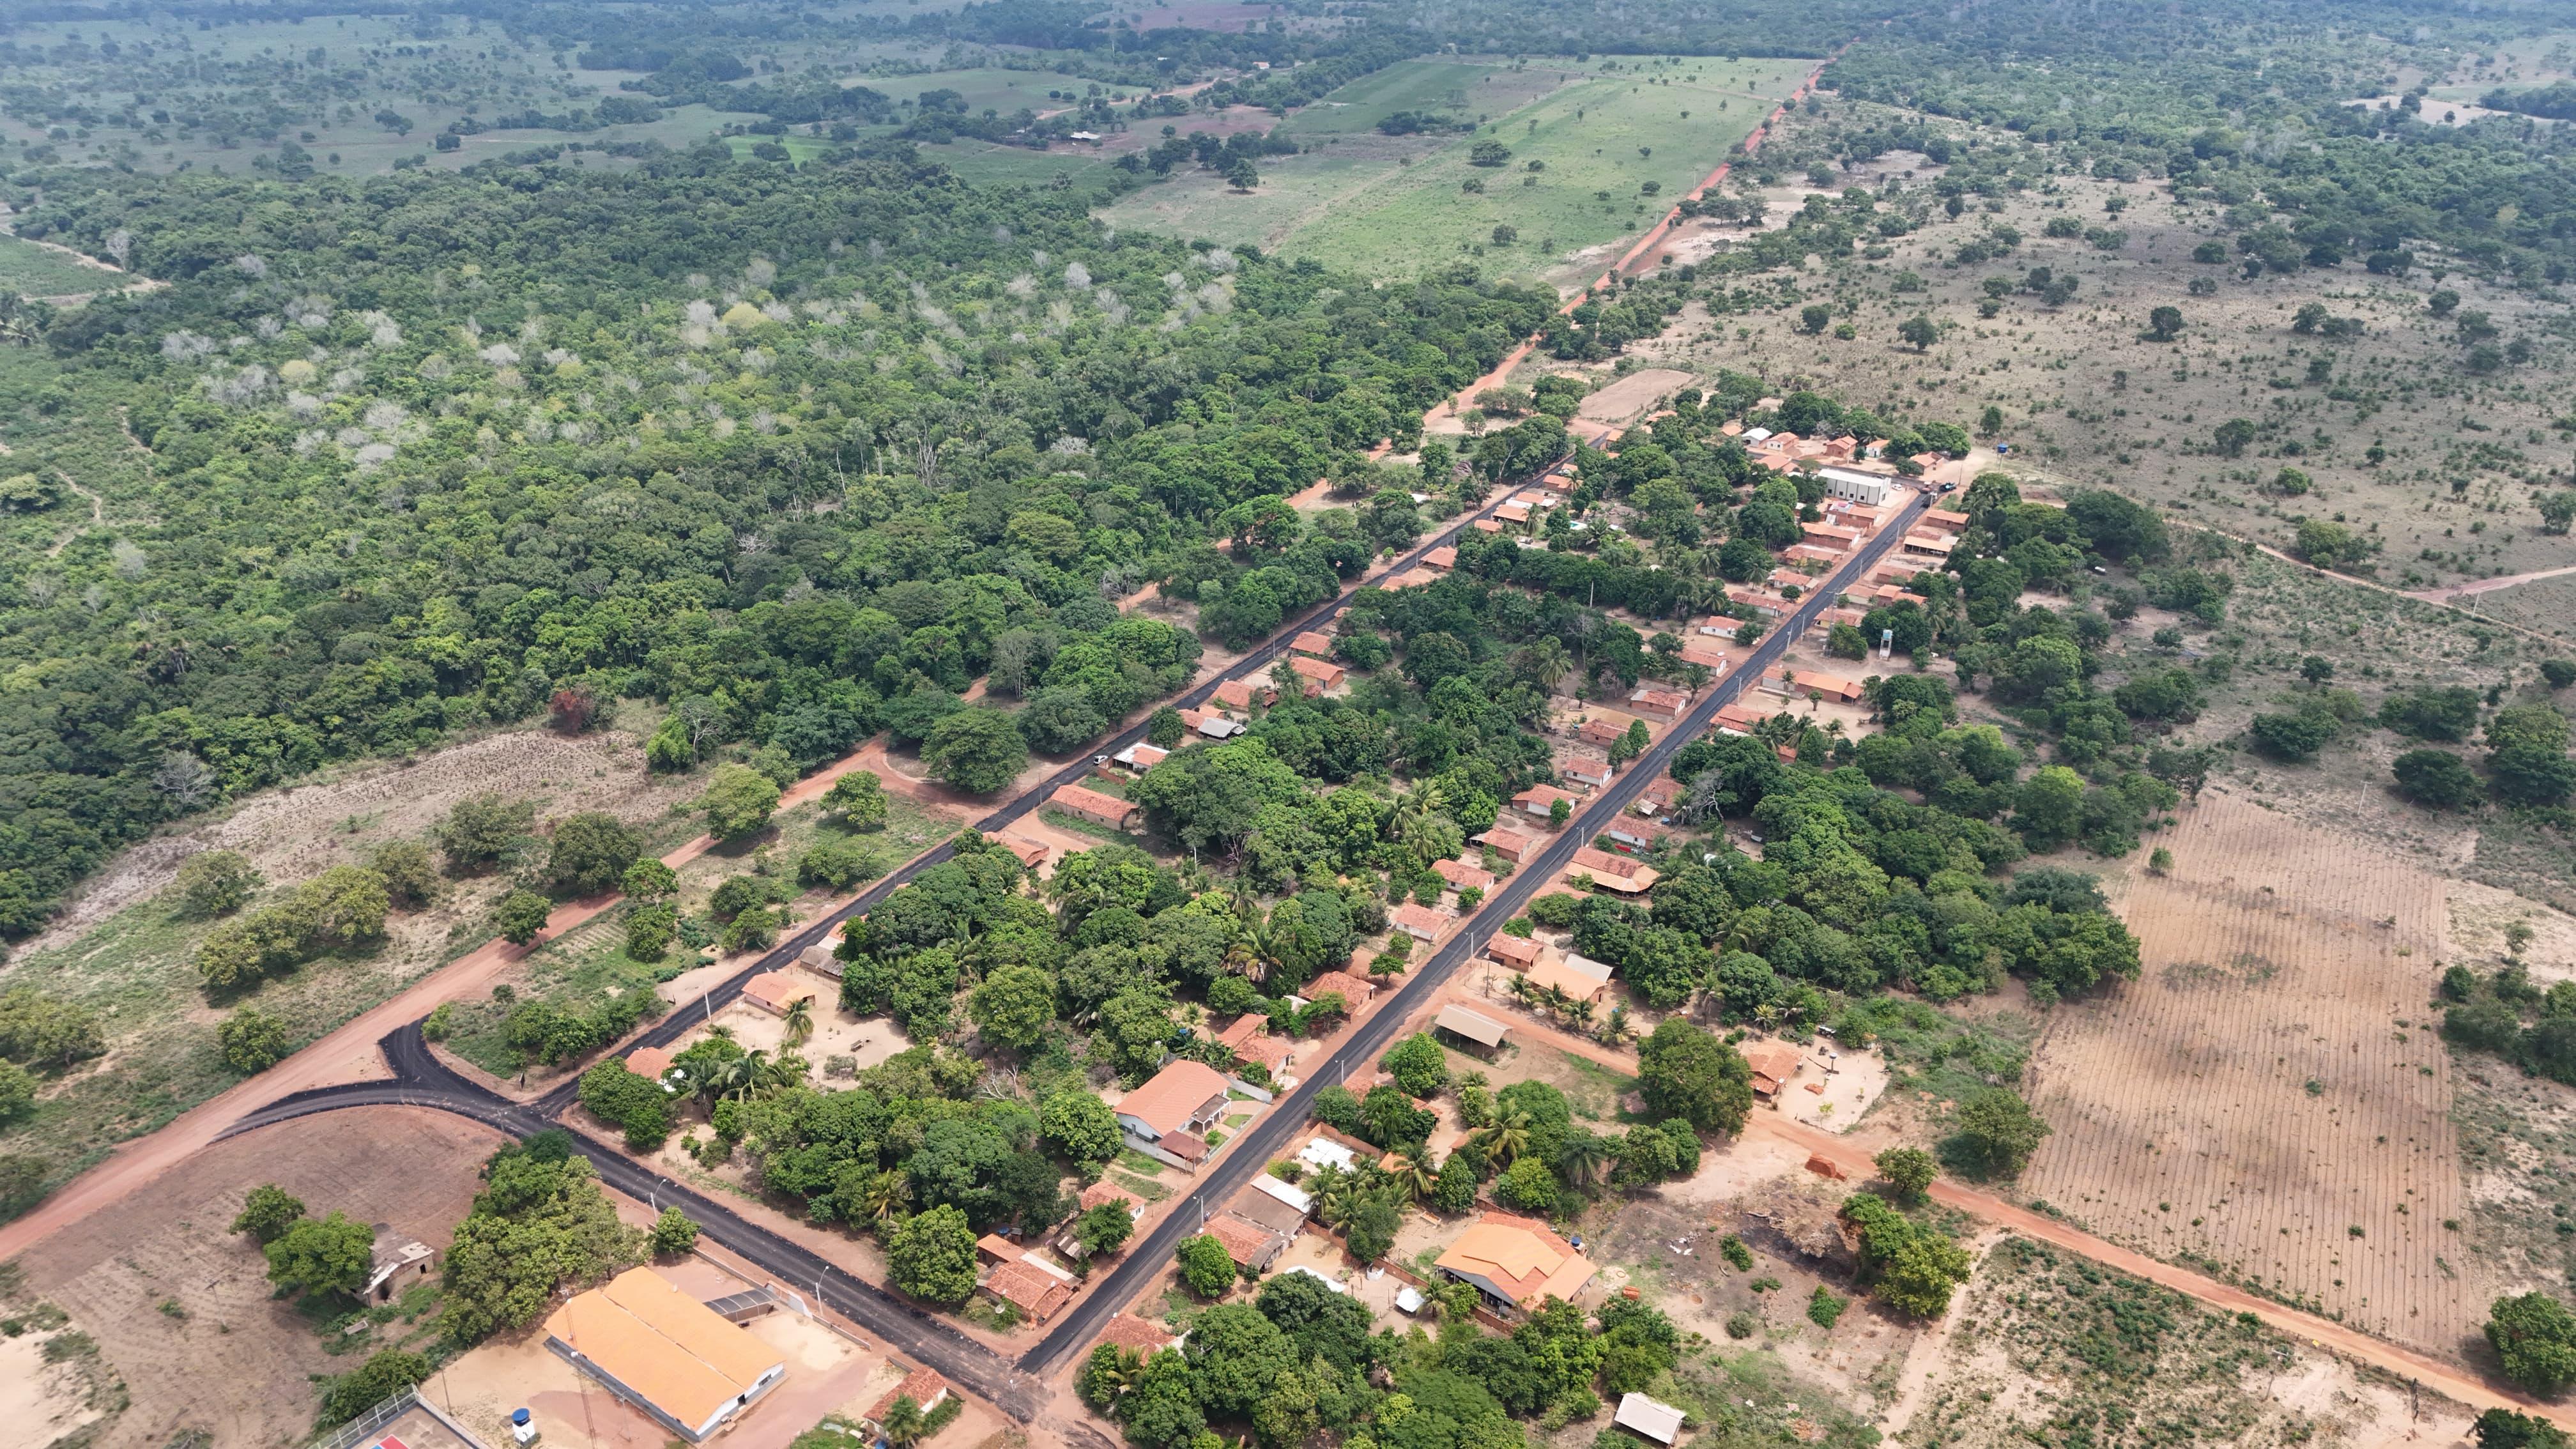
{"points": [[2252, 1103]]}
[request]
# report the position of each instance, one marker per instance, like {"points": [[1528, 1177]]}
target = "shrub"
{"points": [[267, 1213], [1825, 1307], [1997, 1131], [217, 882], [1205, 1265], [672, 1235], [2436, 779], [253, 1041], [1527, 1184], [1909, 1170], [590, 853], [837, 864], [520, 916], [2535, 1337]]}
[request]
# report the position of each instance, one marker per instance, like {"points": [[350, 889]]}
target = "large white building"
{"points": [[1852, 485]]}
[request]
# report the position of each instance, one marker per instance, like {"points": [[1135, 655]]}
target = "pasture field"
{"points": [[1469, 90], [1394, 206], [985, 87], [2268, 1101]]}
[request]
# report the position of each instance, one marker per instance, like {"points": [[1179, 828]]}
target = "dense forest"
{"points": [[774, 446]]}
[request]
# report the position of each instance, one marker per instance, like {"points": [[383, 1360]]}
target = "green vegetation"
{"points": [[540, 1223]]}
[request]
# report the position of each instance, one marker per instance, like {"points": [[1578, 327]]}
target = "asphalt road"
{"points": [[1254, 1149], [1254, 666], [421, 1080]]}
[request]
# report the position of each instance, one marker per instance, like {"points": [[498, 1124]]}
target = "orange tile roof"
{"points": [[1243, 1242], [1091, 804], [1565, 979], [1354, 989], [1462, 875], [1311, 642], [1443, 557], [680, 1355], [1513, 950], [776, 990], [1137, 1336], [1177, 1091], [1522, 1256], [1602, 862], [1104, 1192], [923, 1386], [1028, 1288]]}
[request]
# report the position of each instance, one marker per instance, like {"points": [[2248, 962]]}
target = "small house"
{"points": [[820, 959], [1586, 772], [1617, 873], [1774, 1063], [1127, 1331], [1517, 952], [1320, 674], [1140, 757], [1312, 645], [1831, 686], [1419, 921], [1510, 844], [1573, 985], [1652, 1418], [1462, 876], [664, 1352], [399, 1263], [1353, 990], [1661, 702], [776, 992], [1085, 803], [652, 1063], [1252, 1247], [1029, 853], [1942, 520], [1210, 724], [1539, 801], [1032, 1292], [1704, 654], [1737, 718], [1245, 693], [1829, 535], [1443, 558], [924, 1387], [1250, 1041]]}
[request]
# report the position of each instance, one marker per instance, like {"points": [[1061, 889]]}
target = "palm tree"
{"points": [[1583, 1159], [1416, 812], [886, 1196], [800, 1021], [1543, 662], [1413, 1175], [1118, 1378], [1336, 1195], [903, 1424], [750, 1075], [1508, 1138]]}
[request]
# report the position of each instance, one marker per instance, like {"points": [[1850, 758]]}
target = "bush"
{"points": [[2436, 779], [480, 829], [1909, 1170], [738, 802], [648, 931], [267, 1213], [837, 864], [1338, 1108], [253, 1041], [411, 876], [217, 882], [1825, 1307], [590, 853], [1527, 1184], [1742, 1325], [2560, 673], [672, 1235], [1417, 1064], [382, 1376], [2294, 737], [859, 798]]}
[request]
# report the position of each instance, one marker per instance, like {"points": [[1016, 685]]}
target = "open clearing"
{"points": [[2266, 1101], [35, 271], [222, 1356], [1393, 206]]}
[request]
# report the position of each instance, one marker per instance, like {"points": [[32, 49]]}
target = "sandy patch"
{"points": [[1630, 396]]}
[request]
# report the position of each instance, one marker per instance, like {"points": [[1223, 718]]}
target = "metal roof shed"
{"points": [[1653, 1418], [1482, 1030]]}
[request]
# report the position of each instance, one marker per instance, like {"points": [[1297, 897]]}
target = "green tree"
{"points": [[1909, 1170], [2049, 808], [859, 798], [322, 1255], [520, 916], [22, 1183], [37, 1030], [1418, 1065], [2558, 511], [2164, 324], [1013, 1007], [2436, 779], [267, 1213], [1241, 175], [252, 1041], [977, 750], [411, 875], [672, 1235], [1081, 1126], [17, 1092], [1684, 1072], [1455, 1191], [1919, 332], [217, 882], [1104, 1229], [931, 1256], [590, 853], [738, 801], [649, 930], [540, 1223], [1815, 316], [2535, 1336], [2233, 436], [1528, 1184], [648, 881], [1205, 1265], [1911, 1268], [480, 829], [1997, 1131], [2506, 1429]]}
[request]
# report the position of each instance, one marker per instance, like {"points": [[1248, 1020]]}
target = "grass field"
{"points": [[1392, 206], [983, 87], [33, 271], [1461, 90]]}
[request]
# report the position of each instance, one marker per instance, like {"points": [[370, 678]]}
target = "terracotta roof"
{"points": [[1028, 1289], [1104, 1192], [680, 1355], [1419, 921], [1177, 1091], [1311, 642], [1558, 975], [1137, 1336], [998, 1248], [1514, 950], [1031, 853], [1244, 1242], [776, 990], [1833, 684], [1602, 862], [1443, 557], [1773, 1063], [1234, 694], [1541, 796], [923, 1386], [1187, 1146], [1323, 670], [650, 1061], [1091, 804], [1738, 717], [1354, 989], [1521, 1256], [1459, 873], [1510, 844]]}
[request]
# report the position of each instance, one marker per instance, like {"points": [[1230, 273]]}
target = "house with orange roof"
{"points": [[1184, 1097], [1829, 535], [1831, 686], [1085, 803], [1539, 801], [1127, 1331], [1660, 701], [1619, 873], [1030, 853], [1571, 984], [1462, 876], [924, 1387], [1319, 674], [1511, 845], [650, 1062], [1515, 1263], [1943, 520], [1518, 952], [1419, 921], [1812, 553], [664, 1352], [1353, 990], [1251, 1247], [1031, 1291], [1704, 654], [1761, 601], [1443, 558], [1605, 728], [776, 992], [1488, 525], [1513, 512], [1773, 1064], [1250, 1041], [1243, 694], [1790, 579], [1585, 772], [1213, 724], [1310, 643]]}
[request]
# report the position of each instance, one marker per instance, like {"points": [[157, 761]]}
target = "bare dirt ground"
{"points": [[2267, 1099], [181, 1307], [1630, 396]]}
